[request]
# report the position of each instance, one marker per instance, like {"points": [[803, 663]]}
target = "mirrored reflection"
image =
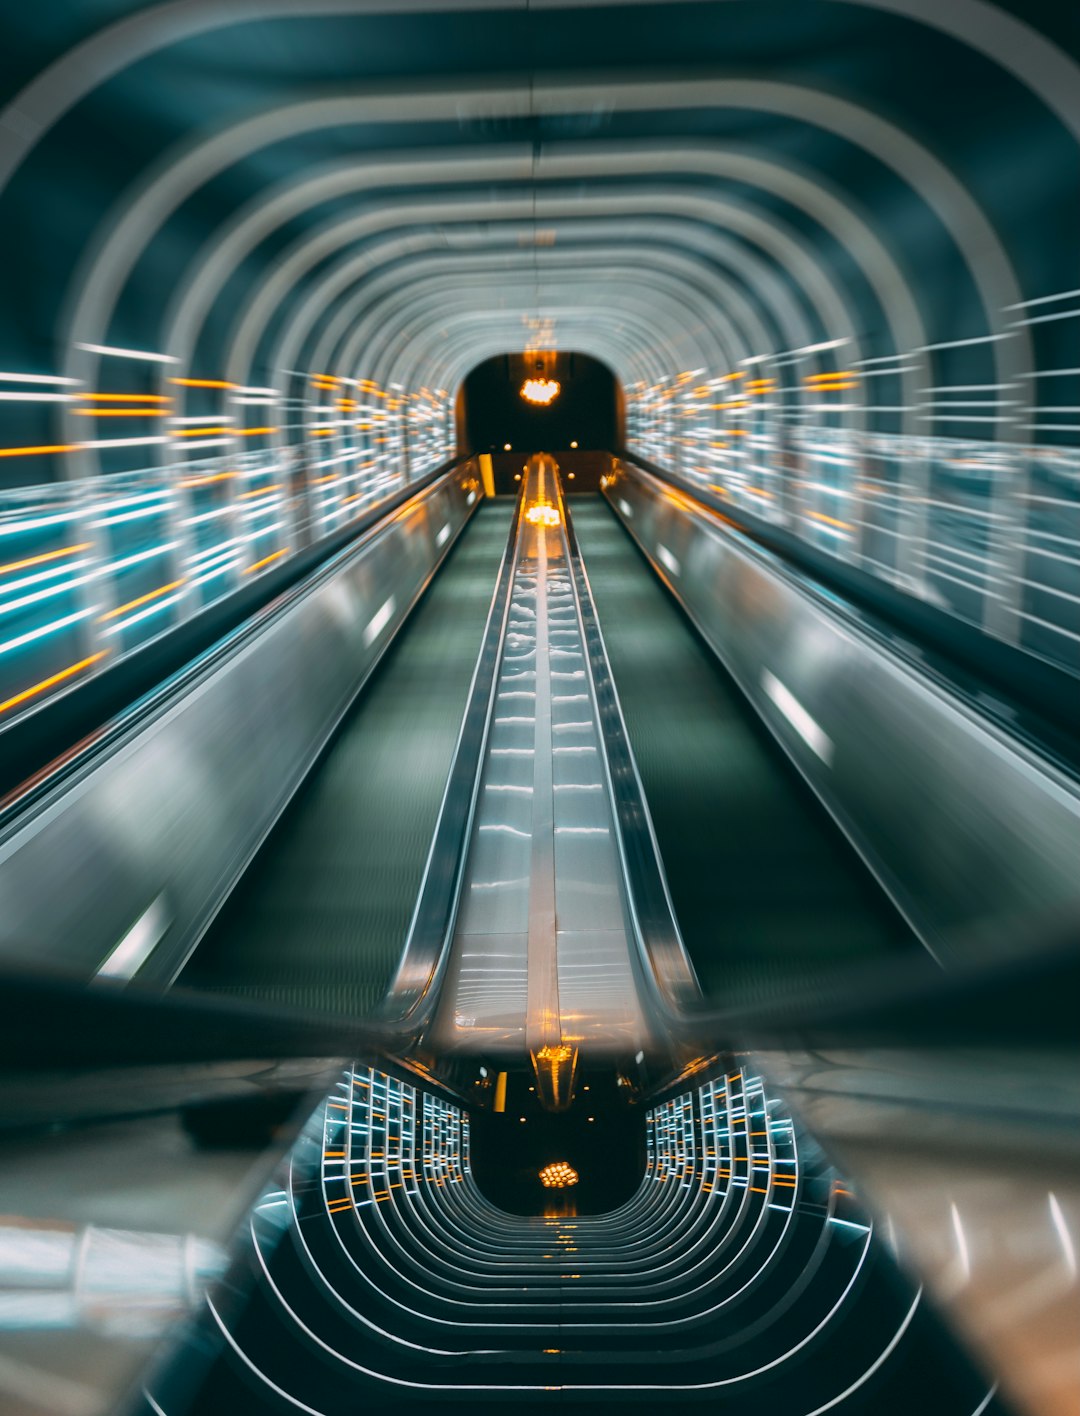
{"points": [[743, 1265]]}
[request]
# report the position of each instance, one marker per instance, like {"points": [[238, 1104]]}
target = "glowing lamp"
{"points": [[544, 514], [542, 391]]}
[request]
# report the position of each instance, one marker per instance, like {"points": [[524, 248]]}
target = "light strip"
{"points": [[51, 681], [117, 353]]}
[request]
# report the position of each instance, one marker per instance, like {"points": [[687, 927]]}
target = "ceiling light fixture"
{"points": [[542, 391]]}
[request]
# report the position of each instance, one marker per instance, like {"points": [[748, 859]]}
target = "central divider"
{"points": [[541, 964]]}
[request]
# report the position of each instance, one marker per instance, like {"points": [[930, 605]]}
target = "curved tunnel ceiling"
{"points": [[396, 192]]}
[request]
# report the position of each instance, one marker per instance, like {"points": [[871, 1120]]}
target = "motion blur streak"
{"points": [[540, 604]]}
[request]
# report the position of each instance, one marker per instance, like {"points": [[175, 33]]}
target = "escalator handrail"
{"points": [[412, 997], [663, 963]]}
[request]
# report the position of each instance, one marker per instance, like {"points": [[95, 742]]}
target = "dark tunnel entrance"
{"points": [[601, 1138], [580, 425]]}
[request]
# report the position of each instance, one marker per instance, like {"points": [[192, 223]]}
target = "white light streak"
{"points": [[117, 353], [667, 560], [138, 943], [38, 397], [40, 379], [378, 622], [154, 609], [798, 717]]}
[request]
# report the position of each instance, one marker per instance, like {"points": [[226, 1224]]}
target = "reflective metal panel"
{"points": [[962, 823], [120, 859]]}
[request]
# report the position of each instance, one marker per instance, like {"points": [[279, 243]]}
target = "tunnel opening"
{"points": [[581, 423], [588, 1159]]}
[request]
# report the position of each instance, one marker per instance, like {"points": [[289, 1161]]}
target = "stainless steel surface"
{"points": [[110, 1235], [541, 954], [143, 833], [963, 825], [971, 1162]]}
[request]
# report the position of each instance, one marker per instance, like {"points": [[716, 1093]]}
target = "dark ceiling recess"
{"points": [[601, 1137], [493, 412]]}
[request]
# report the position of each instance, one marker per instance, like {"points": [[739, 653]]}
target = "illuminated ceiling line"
{"points": [[339, 278], [215, 260], [788, 248], [356, 325], [774, 299], [423, 316], [970, 230], [1015, 47], [975, 235], [655, 327]]}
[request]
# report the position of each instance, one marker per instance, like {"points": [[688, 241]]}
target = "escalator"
{"points": [[550, 840], [318, 920], [376, 1270], [769, 895]]}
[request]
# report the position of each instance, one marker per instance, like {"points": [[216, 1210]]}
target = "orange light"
{"points": [[45, 556], [119, 412], [546, 515], [266, 560], [542, 391], [38, 451], [202, 383], [53, 679], [142, 600], [558, 1175], [125, 398]]}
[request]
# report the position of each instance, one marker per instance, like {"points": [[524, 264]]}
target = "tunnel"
{"points": [[540, 707]]}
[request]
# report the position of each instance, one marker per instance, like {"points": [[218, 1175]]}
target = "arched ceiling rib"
{"points": [[676, 218]]}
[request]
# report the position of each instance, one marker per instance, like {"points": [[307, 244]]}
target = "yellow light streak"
{"points": [[205, 481], [45, 556], [39, 451], [203, 383], [267, 559], [125, 398], [119, 412], [51, 681], [831, 521], [142, 600]]}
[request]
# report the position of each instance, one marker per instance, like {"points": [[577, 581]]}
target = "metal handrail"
{"points": [[413, 995], [661, 960]]}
